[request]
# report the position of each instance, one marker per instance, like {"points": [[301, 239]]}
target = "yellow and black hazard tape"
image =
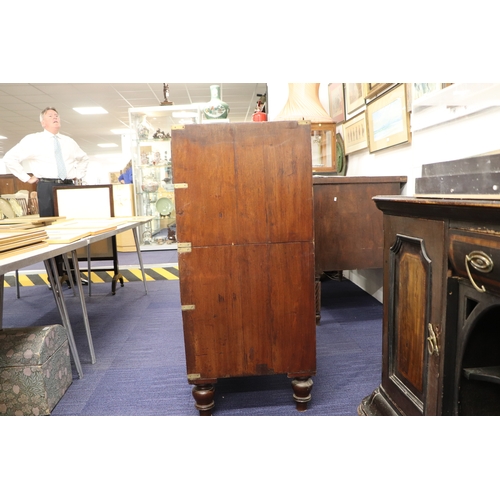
{"points": [[99, 276]]}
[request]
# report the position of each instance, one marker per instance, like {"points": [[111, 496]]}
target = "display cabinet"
{"points": [[323, 146], [152, 164]]}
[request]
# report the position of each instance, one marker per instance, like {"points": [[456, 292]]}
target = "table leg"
{"points": [[139, 255], [317, 293], [18, 291], [84, 307], [89, 270], [70, 276], [51, 267], [1, 301]]}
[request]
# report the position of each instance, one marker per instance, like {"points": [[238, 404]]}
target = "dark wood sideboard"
{"points": [[10, 184], [348, 226], [441, 348]]}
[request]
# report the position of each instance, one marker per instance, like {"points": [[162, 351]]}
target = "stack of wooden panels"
{"points": [[70, 230], [92, 226], [14, 242], [28, 222]]}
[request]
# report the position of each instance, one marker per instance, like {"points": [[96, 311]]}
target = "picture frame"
{"points": [[355, 94], [374, 89], [418, 90], [323, 147], [355, 134], [336, 102], [387, 119]]}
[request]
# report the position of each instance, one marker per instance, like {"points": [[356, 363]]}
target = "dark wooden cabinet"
{"points": [[441, 291], [246, 253], [10, 184], [348, 227]]}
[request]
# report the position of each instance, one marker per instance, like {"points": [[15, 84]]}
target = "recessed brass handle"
{"points": [[481, 262], [432, 343]]}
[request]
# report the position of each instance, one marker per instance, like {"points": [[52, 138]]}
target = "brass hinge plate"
{"points": [[188, 307], [177, 127], [193, 376], [181, 185], [184, 247]]}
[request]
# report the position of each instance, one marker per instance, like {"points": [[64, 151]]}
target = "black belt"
{"points": [[56, 181]]}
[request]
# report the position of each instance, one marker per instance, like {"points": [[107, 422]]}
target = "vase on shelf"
{"points": [[144, 130], [149, 184], [216, 108]]}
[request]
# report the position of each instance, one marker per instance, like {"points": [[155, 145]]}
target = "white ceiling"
{"points": [[21, 103]]}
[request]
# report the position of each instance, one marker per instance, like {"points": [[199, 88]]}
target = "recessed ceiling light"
{"points": [[97, 110], [108, 145], [2, 137]]}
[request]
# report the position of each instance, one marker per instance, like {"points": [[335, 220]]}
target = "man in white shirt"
{"points": [[37, 152], [41, 153]]}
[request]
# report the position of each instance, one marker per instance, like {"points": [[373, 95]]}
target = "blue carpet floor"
{"points": [[140, 368]]}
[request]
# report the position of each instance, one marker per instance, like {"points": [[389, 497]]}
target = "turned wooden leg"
{"points": [[203, 395], [302, 387]]}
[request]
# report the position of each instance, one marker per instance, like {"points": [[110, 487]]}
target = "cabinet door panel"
{"points": [[413, 294], [246, 183], [248, 310], [411, 278]]}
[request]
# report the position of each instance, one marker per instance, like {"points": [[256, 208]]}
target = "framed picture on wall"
{"points": [[420, 89], [374, 89], [355, 134], [336, 102], [387, 119], [417, 90], [355, 94]]}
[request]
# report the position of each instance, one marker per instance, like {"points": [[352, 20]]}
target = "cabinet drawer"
{"points": [[476, 256]]}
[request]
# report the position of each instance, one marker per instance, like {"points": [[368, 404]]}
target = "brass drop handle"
{"points": [[432, 343], [481, 262]]}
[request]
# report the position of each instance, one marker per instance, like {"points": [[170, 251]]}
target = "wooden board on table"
{"points": [[94, 226], [58, 236], [13, 239], [28, 248], [31, 219]]}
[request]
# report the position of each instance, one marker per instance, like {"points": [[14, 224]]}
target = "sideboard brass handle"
{"points": [[432, 343], [481, 262]]}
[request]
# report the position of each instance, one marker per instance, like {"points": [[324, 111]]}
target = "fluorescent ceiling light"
{"points": [[97, 110], [2, 137], [108, 145]]}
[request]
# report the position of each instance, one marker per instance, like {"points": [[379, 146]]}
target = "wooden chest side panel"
{"points": [[252, 315], [203, 160], [246, 183]]}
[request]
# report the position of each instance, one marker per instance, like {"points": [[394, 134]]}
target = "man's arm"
{"points": [[13, 158], [81, 161]]}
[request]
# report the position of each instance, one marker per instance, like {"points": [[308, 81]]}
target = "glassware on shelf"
{"points": [[151, 158], [144, 130], [149, 184]]}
